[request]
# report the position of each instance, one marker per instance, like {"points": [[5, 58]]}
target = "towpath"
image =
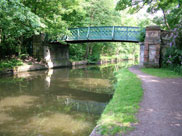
{"points": [[161, 108]]}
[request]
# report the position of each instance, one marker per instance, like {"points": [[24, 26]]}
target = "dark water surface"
{"points": [[59, 102]]}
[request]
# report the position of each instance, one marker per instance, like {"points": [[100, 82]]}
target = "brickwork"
{"points": [[152, 46]]}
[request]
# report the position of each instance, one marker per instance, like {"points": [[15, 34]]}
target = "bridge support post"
{"points": [[152, 45], [142, 47], [54, 54]]}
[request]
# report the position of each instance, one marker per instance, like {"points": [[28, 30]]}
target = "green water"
{"points": [[59, 102]]}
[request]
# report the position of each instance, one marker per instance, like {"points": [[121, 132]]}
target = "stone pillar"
{"points": [[142, 47], [152, 46], [56, 55]]}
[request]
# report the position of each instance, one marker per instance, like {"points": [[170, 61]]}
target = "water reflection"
{"points": [[48, 77], [63, 102], [60, 102], [90, 107]]}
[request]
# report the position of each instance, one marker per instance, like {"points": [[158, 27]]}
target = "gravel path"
{"points": [[161, 107]]}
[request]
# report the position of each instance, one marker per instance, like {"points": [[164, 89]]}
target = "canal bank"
{"points": [[120, 114], [117, 113], [42, 65]]}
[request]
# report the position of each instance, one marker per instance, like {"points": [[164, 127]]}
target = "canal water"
{"points": [[59, 102]]}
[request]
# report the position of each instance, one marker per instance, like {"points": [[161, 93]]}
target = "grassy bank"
{"points": [[119, 114], [161, 72]]}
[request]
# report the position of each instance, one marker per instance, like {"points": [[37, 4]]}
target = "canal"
{"points": [[59, 102]]}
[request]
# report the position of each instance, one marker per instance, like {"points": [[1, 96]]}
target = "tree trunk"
{"points": [[20, 45], [165, 19], [87, 51]]}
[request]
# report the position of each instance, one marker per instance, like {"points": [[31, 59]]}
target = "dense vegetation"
{"points": [[20, 20]]}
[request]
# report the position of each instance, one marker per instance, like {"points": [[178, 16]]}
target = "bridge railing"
{"points": [[117, 33]]}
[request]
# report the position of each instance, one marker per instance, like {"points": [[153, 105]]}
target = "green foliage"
{"points": [[94, 58], [58, 16], [142, 35], [173, 56], [21, 19], [10, 63], [173, 59], [16, 22], [153, 6], [171, 19], [77, 52], [119, 114], [171, 10], [105, 15]]}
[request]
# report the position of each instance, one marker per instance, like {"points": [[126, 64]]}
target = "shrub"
{"points": [[10, 63], [173, 59], [142, 35]]}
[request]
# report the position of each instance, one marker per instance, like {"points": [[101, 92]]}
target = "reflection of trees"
{"points": [[36, 99], [43, 114], [83, 105], [90, 79], [96, 85]]}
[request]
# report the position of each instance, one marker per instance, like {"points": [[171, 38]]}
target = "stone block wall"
{"points": [[142, 48], [165, 38], [54, 54]]}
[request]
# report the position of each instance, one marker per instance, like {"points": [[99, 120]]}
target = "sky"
{"points": [[143, 12]]}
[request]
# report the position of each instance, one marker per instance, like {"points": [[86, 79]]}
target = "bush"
{"points": [[10, 63], [94, 58], [141, 37], [173, 59]]}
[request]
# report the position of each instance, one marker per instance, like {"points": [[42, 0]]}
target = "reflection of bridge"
{"points": [[103, 34], [87, 106]]}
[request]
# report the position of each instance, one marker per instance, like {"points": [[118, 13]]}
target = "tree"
{"points": [[57, 15], [166, 6], [16, 22]]}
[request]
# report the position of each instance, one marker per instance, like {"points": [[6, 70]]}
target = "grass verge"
{"points": [[161, 72], [119, 114]]}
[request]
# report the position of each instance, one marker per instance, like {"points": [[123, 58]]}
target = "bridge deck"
{"points": [[103, 34]]}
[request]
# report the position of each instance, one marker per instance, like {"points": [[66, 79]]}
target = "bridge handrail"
{"points": [[95, 33], [103, 26]]}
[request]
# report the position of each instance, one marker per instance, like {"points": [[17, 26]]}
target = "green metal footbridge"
{"points": [[103, 34]]}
